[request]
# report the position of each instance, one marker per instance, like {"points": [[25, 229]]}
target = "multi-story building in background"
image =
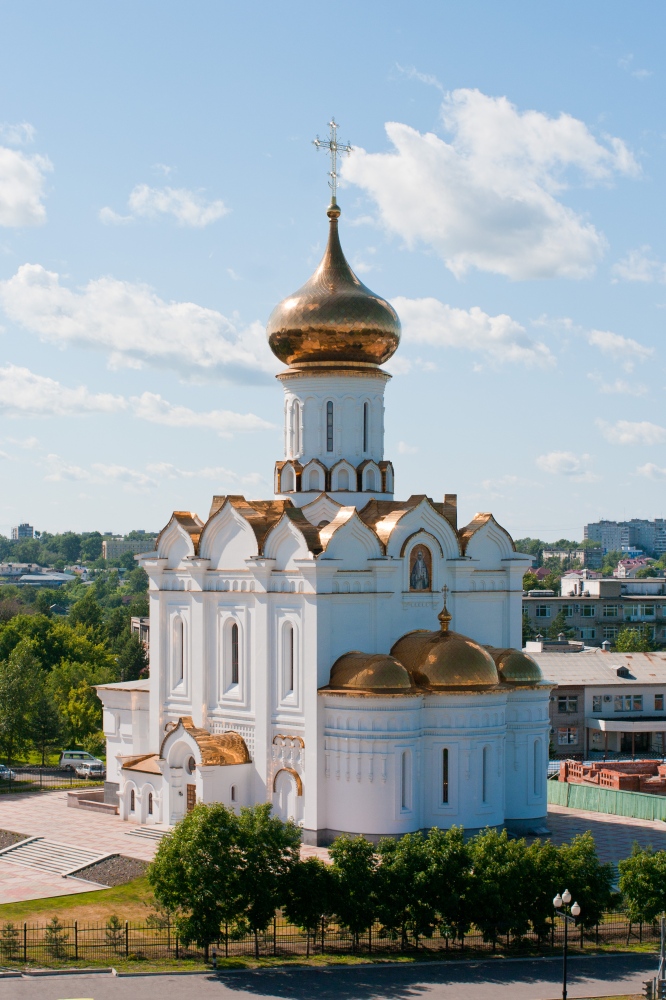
{"points": [[596, 609], [114, 548], [22, 531], [649, 536]]}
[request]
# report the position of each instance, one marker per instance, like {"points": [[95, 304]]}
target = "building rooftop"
{"points": [[594, 666]]}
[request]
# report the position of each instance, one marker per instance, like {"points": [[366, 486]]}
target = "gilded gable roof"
{"points": [[477, 522], [191, 522], [215, 748]]}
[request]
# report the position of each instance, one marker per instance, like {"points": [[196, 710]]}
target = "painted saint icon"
{"points": [[420, 569]]}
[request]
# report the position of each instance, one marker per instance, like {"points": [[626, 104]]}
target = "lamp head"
{"points": [[575, 910], [557, 902], [566, 897]]}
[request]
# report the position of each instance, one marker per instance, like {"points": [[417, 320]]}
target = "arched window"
{"points": [[297, 430], [234, 653], [233, 793], [329, 426], [313, 479], [370, 480], [406, 780], [150, 803], [288, 659], [485, 774], [445, 775], [537, 767], [343, 479], [366, 416], [132, 800], [178, 650]]}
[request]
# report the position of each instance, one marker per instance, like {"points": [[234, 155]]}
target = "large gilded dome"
{"points": [[333, 317], [368, 672], [440, 660]]}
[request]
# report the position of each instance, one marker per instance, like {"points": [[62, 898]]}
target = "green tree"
{"points": [[540, 881], [9, 941], [643, 883], [634, 640], [71, 686], [55, 939], [405, 903], [529, 631], [132, 659], [559, 626], [45, 727], [114, 933], [531, 581], [194, 874], [69, 546], [19, 677], [309, 896], [137, 580], [587, 879], [269, 849], [355, 873], [88, 613], [499, 876], [91, 546], [54, 641], [451, 880]]}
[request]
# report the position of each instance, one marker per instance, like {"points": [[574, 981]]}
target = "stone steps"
{"points": [[49, 856], [147, 833]]}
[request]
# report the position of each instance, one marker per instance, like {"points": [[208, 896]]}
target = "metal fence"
{"points": [[34, 779], [58, 942]]}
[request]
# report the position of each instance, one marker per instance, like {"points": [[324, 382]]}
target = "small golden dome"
{"points": [[333, 317], [445, 659], [515, 666], [355, 671]]}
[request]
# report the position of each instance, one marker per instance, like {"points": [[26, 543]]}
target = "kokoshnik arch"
{"points": [[299, 651]]}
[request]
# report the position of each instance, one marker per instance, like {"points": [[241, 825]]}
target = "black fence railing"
{"points": [[34, 779], [57, 942]]}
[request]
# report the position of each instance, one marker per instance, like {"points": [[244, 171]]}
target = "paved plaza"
{"points": [[491, 980], [47, 815]]}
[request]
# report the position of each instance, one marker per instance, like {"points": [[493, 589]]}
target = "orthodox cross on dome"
{"points": [[334, 147], [444, 616]]}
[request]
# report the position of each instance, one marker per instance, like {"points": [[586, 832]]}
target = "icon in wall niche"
{"points": [[420, 568]]}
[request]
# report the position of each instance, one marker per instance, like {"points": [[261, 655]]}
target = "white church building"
{"points": [[301, 652]]}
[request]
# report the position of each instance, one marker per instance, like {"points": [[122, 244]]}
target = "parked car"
{"points": [[71, 759], [6, 774], [90, 770]]}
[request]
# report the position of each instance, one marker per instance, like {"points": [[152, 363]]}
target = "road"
{"points": [[524, 979]]}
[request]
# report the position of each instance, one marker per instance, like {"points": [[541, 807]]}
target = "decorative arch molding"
{"points": [[283, 738], [314, 468], [482, 532], [179, 540], [338, 472], [295, 775], [422, 517], [370, 478], [351, 541], [228, 539], [286, 543], [423, 536], [288, 476], [324, 508]]}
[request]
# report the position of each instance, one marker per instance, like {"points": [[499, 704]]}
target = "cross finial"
{"points": [[444, 616], [334, 147]]}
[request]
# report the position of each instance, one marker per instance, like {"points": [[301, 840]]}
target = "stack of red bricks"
{"points": [[623, 775]]}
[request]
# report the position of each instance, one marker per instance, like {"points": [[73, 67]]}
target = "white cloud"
{"points": [[623, 349], [22, 180], [565, 463], [619, 386], [189, 208], [28, 443], [58, 470], [639, 265], [150, 406], [134, 326], [140, 480], [165, 470], [406, 449], [492, 191], [129, 478], [22, 393], [20, 134], [627, 63], [500, 338], [651, 471], [632, 432]]}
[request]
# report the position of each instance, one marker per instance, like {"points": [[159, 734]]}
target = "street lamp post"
{"points": [[561, 902]]}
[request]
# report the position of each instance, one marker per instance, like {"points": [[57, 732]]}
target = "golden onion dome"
{"points": [[333, 317], [370, 672], [446, 659], [516, 667]]}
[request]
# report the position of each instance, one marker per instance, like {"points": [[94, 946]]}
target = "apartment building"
{"points": [[596, 609], [650, 536]]}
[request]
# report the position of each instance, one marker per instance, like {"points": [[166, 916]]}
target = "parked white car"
{"points": [[6, 774], [71, 759], [88, 769]]}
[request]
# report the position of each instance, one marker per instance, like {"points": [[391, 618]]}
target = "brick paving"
{"points": [[47, 815]]}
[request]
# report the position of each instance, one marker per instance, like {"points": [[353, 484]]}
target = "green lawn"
{"points": [[131, 901]]}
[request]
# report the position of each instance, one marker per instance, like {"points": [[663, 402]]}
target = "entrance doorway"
{"points": [[635, 743], [191, 797]]}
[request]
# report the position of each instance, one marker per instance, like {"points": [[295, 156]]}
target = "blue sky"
{"points": [[159, 193]]}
